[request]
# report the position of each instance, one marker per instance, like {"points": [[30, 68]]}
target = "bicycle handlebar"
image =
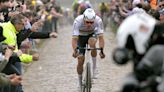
{"points": [[85, 48], [102, 55]]}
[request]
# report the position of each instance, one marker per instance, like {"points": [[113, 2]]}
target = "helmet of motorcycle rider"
{"points": [[140, 28]]}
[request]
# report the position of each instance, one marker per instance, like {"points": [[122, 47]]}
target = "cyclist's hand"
{"points": [[102, 55]]}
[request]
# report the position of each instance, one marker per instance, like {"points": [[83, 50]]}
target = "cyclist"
{"points": [[87, 28], [75, 6], [103, 8], [88, 4], [82, 7], [135, 36], [104, 12]]}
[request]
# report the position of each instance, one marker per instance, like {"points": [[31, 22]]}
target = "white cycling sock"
{"points": [[94, 64], [80, 79]]}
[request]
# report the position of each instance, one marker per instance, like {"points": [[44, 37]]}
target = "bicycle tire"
{"points": [[87, 83]]}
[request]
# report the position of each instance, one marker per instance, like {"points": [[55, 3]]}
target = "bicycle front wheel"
{"points": [[88, 78], [87, 85]]}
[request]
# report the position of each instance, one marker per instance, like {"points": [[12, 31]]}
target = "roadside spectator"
{"points": [[161, 15], [6, 80], [5, 53], [10, 29], [160, 5]]}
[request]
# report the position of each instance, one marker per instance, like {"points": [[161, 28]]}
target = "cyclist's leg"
{"points": [[92, 43], [82, 41], [80, 68]]}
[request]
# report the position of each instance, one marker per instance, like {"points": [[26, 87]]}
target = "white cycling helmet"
{"points": [[89, 14], [140, 28]]}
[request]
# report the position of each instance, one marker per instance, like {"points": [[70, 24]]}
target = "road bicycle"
{"points": [[87, 73]]}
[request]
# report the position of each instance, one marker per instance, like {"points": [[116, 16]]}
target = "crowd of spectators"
{"points": [[21, 22]]}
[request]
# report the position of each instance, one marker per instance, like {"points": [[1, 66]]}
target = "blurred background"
{"points": [[68, 3]]}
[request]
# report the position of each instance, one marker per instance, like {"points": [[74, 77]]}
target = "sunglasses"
{"points": [[161, 5], [89, 22]]}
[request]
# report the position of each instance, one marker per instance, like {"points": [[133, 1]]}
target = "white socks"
{"points": [[80, 79]]}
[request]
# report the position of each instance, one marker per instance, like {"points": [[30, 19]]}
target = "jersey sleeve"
{"points": [[75, 28], [100, 28]]}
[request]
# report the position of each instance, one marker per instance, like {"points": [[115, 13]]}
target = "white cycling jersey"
{"points": [[79, 28]]}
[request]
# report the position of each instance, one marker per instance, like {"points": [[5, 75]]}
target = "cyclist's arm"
{"points": [[100, 31], [101, 40], [75, 35], [74, 42]]}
